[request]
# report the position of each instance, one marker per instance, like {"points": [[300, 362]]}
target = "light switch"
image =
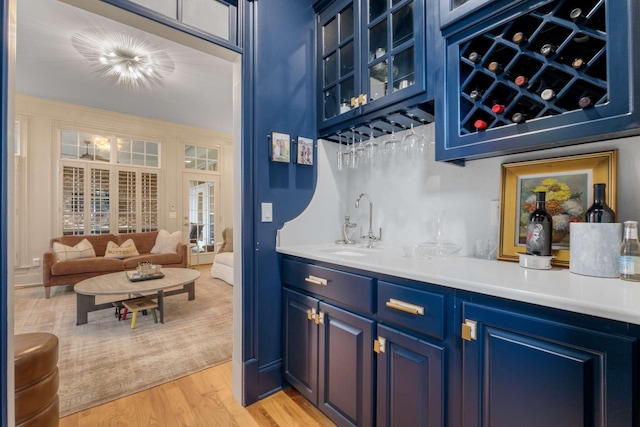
{"points": [[267, 212]]}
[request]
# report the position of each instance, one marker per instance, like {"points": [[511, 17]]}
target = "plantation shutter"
{"points": [[100, 202], [72, 200], [127, 202], [149, 197]]}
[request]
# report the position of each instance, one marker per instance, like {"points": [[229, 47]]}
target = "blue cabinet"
{"points": [[540, 74], [410, 375], [457, 11], [371, 56], [328, 358], [527, 371]]}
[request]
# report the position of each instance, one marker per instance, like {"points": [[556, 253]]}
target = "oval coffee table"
{"points": [[119, 284]]}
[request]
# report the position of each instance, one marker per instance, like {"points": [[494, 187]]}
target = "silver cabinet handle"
{"points": [[316, 280], [405, 306]]}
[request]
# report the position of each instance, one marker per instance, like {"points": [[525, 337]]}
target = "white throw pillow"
{"points": [[126, 250], [167, 243], [84, 249]]}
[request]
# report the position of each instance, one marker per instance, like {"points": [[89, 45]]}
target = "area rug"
{"points": [[106, 359]]}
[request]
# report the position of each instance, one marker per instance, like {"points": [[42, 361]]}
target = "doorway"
{"points": [[202, 216]]}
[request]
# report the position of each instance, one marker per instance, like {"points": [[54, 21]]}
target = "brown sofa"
{"points": [[70, 272]]}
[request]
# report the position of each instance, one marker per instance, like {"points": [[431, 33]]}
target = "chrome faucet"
{"points": [[370, 237], [345, 235]]}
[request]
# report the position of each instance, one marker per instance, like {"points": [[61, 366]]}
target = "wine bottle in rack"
{"points": [[497, 108], [476, 94], [480, 124], [548, 94], [599, 211], [521, 81], [495, 67], [474, 57], [585, 102], [577, 63], [519, 117], [519, 38], [548, 49], [576, 14]]}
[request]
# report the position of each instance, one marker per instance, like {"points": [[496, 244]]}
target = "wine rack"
{"points": [[540, 64], [546, 67]]}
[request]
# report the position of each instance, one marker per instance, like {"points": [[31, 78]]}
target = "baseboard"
{"points": [[261, 381]]}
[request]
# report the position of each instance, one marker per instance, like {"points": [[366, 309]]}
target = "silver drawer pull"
{"points": [[316, 280], [405, 306]]}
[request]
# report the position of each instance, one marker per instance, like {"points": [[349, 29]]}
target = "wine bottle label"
{"points": [[627, 265], [538, 239]]}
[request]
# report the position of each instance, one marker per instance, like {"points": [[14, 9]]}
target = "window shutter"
{"points": [[149, 197], [73, 200], [127, 202]]}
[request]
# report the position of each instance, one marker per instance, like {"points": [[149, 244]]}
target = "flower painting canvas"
{"points": [[568, 186], [567, 198]]}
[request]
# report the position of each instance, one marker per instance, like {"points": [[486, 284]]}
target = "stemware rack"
{"points": [[547, 62]]}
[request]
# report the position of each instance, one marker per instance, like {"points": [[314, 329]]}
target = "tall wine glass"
{"points": [[413, 141], [392, 144], [371, 148], [340, 159]]}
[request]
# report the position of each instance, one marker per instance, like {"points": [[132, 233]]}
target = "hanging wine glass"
{"points": [[412, 141], [391, 145], [340, 154], [371, 148], [423, 144]]}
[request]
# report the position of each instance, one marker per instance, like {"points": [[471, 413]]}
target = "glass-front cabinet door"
{"points": [[371, 55], [338, 46]]}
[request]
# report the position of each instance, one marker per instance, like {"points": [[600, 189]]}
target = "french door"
{"points": [[201, 208]]}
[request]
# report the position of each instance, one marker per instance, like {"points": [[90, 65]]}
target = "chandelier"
{"points": [[122, 59]]}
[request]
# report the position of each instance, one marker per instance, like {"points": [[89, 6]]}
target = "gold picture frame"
{"points": [[569, 185]]}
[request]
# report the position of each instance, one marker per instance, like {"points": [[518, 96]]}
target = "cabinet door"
{"points": [[526, 371], [545, 73], [300, 364], [393, 51], [345, 383], [410, 375], [338, 44]]}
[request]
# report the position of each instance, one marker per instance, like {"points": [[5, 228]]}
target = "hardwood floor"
{"points": [[202, 399]]}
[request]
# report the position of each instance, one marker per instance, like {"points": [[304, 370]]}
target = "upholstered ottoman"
{"points": [[36, 378]]}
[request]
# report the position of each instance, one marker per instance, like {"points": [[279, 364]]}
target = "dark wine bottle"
{"points": [[519, 38], [495, 67], [476, 94], [539, 228], [547, 49], [576, 15], [480, 124], [577, 63], [474, 57], [521, 81], [585, 102], [519, 117], [599, 211], [497, 108]]}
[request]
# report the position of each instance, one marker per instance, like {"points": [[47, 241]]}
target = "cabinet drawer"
{"points": [[347, 288], [414, 309]]}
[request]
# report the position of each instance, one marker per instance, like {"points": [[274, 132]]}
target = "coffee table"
{"points": [[119, 284]]}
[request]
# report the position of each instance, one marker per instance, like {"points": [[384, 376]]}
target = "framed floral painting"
{"points": [[568, 184]]}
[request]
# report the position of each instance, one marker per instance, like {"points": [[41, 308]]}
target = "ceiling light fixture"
{"points": [[122, 59]]}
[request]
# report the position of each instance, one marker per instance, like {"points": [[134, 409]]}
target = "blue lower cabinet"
{"points": [[525, 371], [410, 376], [345, 383], [300, 362]]}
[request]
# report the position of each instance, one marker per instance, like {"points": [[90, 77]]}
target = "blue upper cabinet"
{"points": [[457, 11], [371, 55], [542, 74]]}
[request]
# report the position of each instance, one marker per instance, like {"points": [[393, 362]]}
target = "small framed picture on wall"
{"points": [[280, 147], [305, 151]]}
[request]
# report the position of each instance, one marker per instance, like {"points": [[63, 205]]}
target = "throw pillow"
{"points": [[227, 240], [167, 243], [84, 249], [126, 250]]}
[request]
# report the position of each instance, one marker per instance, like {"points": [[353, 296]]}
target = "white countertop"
{"points": [[558, 288]]}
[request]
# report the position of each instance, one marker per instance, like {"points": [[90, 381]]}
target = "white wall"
{"points": [[44, 117], [408, 196]]}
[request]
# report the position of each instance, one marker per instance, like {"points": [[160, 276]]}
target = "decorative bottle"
{"points": [[539, 228], [599, 211], [629, 259]]}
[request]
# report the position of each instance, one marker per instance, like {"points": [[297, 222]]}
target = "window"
{"points": [[101, 196], [218, 18], [201, 158]]}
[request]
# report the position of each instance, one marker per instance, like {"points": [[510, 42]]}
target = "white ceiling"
{"points": [[198, 93]]}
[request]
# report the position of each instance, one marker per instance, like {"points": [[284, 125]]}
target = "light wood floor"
{"points": [[202, 399]]}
